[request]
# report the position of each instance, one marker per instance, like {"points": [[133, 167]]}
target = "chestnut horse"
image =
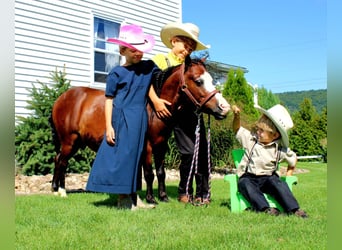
{"points": [[78, 120]]}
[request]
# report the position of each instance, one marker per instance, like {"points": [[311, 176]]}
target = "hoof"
{"points": [[54, 191], [164, 198], [61, 192], [151, 200]]}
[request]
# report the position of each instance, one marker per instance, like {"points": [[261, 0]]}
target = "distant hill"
{"points": [[292, 100]]}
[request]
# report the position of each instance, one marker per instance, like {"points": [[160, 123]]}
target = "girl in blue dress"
{"points": [[118, 160]]}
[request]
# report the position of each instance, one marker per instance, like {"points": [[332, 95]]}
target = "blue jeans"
{"points": [[252, 188]]}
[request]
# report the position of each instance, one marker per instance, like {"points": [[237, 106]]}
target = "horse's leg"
{"points": [[68, 149], [56, 171], [58, 179], [159, 152], [149, 175]]}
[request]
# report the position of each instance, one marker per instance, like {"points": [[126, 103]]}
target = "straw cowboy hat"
{"points": [[281, 119], [181, 29], [133, 37]]}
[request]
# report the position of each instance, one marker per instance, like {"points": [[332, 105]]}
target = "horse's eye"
{"points": [[198, 82]]}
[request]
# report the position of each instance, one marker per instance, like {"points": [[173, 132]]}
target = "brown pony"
{"points": [[78, 120]]}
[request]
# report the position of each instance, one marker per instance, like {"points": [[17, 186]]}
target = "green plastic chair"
{"points": [[237, 202]]}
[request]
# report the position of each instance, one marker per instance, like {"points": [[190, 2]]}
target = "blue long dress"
{"points": [[115, 168]]}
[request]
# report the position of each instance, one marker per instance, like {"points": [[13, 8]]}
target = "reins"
{"points": [[194, 163]]}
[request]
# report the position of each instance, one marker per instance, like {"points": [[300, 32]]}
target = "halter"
{"points": [[185, 89]]}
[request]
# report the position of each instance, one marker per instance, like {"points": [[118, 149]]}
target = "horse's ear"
{"points": [[187, 60]]}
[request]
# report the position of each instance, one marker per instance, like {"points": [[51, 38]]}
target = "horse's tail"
{"points": [[55, 139]]}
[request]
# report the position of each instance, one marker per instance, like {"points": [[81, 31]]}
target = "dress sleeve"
{"points": [[111, 83]]}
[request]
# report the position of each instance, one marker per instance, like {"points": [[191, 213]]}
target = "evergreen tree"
{"points": [[322, 130], [237, 91], [33, 138], [267, 99], [305, 136], [34, 149], [227, 86]]}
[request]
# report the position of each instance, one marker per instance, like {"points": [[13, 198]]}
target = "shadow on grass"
{"points": [[112, 199], [76, 191]]}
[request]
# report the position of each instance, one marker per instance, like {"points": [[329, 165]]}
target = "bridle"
{"points": [[186, 90]]}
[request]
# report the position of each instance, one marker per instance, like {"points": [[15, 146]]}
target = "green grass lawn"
{"points": [[91, 221]]}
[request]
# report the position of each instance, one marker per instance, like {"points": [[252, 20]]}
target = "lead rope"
{"points": [[209, 161], [194, 163], [195, 157]]}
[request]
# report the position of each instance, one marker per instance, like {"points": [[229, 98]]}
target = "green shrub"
{"points": [[34, 148], [222, 140]]}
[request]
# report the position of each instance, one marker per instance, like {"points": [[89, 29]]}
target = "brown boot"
{"points": [[201, 201], [272, 211], [183, 198], [198, 201]]}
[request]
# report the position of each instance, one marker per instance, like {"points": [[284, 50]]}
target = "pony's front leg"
{"points": [[159, 160], [149, 176]]}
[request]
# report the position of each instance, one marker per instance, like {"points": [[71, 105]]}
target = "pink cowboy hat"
{"points": [[133, 37]]}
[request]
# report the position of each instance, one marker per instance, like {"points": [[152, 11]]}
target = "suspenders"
{"points": [[249, 156], [167, 62]]}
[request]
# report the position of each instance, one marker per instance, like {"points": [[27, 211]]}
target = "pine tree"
{"points": [[33, 138], [322, 126], [267, 99], [237, 91], [305, 137], [34, 149]]}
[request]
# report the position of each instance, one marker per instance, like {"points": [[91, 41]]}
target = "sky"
{"points": [[283, 44]]}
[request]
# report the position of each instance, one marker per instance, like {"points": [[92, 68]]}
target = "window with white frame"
{"points": [[106, 55]]}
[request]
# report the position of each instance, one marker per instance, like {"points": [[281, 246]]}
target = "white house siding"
{"points": [[53, 34]]}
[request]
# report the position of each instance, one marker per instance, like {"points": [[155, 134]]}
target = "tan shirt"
{"points": [[260, 158]]}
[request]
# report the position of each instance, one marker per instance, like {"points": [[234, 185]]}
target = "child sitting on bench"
{"points": [[258, 169]]}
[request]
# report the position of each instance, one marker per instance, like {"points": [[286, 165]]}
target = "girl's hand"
{"points": [[110, 136]]}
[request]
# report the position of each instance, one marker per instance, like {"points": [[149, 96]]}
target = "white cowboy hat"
{"points": [[281, 119], [181, 29], [133, 37]]}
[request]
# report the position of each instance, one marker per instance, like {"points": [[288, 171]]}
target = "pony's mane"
{"points": [[160, 77], [196, 60]]}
